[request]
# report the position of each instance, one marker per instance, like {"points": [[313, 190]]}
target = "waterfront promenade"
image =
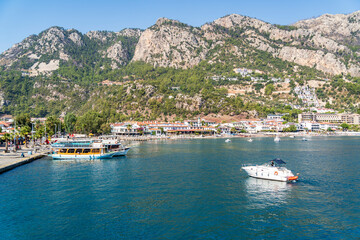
{"points": [[12, 160]]}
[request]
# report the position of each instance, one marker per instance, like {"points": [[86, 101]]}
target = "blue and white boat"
{"points": [[88, 149]]}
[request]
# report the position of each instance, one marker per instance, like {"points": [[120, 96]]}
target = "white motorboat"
{"points": [[250, 140], [292, 136], [304, 139], [227, 140], [274, 170], [277, 139]]}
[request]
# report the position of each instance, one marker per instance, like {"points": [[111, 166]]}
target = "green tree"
{"points": [[292, 128], [105, 128], [24, 132], [6, 137], [23, 120], [269, 89], [39, 130], [70, 122], [345, 126], [90, 122], [52, 122]]}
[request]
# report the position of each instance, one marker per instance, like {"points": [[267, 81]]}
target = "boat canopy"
{"points": [[278, 161]]}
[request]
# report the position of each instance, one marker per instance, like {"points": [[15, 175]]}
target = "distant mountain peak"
{"points": [[329, 43]]}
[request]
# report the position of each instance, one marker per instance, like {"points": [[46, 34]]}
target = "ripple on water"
{"points": [[188, 189]]}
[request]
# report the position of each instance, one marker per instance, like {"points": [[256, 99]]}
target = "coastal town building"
{"points": [[349, 118], [277, 117], [200, 126], [307, 95], [310, 126], [199, 123]]}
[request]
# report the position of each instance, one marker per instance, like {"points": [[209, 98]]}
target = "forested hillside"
{"points": [[176, 71]]}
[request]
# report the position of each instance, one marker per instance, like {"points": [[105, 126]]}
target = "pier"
{"points": [[9, 161]]}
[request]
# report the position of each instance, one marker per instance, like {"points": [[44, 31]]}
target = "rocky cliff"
{"points": [[171, 43], [329, 43], [344, 28], [43, 53]]}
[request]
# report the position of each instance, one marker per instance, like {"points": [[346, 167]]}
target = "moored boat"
{"points": [[88, 149], [274, 170], [227, 140]]}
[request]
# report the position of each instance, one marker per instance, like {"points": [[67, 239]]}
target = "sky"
{"points": [[22, 18]]}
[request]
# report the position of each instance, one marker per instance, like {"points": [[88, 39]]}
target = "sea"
{"points": [[189, 189]]}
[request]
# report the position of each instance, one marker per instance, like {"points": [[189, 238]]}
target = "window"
{"points": [[62, 151], [96, 151], [78, 151], [71, 150], [87, 150]]}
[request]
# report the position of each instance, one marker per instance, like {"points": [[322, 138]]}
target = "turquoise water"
{"points": [[188, 189]]}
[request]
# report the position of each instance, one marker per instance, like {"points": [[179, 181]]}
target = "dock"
{"points": [[9, 161]]}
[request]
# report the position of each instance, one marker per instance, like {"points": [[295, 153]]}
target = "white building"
{"points": [[310, 126], [349, 118], [276, 117], [126, 129]]}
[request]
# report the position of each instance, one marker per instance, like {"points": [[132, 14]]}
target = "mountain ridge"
{"points": [[316, 43]]}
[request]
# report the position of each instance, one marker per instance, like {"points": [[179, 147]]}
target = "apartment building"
{"points": [[349, 118]]}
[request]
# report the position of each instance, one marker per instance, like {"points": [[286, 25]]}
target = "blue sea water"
{"points": [[188, 189]]}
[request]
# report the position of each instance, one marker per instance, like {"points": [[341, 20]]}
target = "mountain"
{"points": [[329, 43], [45, 52], [173, 44], [173, 70], [343, 28]]}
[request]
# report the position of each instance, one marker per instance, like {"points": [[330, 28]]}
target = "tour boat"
{"points": [[227, 140], [88, 149], [274, 170]]}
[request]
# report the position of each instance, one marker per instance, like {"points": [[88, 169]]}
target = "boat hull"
{"points": [[108, 155], [270, 173]]}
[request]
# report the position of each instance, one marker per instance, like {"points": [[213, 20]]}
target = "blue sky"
{"points": [[21, 18]]}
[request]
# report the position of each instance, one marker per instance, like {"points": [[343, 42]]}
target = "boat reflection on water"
{"points": [[263, 193]]}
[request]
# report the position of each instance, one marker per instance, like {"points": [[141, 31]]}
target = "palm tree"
{"points": [[129, 126], [25, 131], [6, 137]]}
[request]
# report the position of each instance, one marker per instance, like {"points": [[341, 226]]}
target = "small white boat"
{"points": [[292, 136], [304, 139], [227, 140], [274, 170], [250, 140], [277, 139]]}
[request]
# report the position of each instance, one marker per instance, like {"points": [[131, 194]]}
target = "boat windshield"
{"points": [[277, 162]]}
